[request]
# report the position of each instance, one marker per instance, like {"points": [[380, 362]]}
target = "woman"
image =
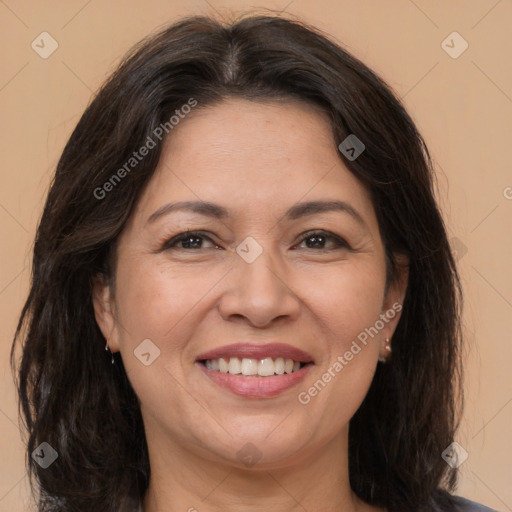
{"points": [[244, 218]]}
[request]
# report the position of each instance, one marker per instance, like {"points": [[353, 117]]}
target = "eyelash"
{"points": [[340, 242]]}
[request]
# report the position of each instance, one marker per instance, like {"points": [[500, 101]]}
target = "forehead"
{"points": [[265, 134], [253, 157]]}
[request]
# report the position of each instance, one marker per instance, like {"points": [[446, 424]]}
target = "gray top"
{"points": [[462, 504], [465, 505]]}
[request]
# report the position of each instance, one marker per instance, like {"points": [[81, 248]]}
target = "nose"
{"points": [[259, 292]]}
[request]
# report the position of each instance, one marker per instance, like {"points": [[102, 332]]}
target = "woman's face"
{"points": [[266, 277]]}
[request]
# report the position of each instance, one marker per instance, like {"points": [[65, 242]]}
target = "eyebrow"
{"points": [[295, 212]]}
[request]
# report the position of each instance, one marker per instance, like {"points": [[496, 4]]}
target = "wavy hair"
{"points": [[72, 397]]}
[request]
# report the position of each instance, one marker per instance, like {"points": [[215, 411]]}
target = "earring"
{"points": [[387, 348], [106, 348]]}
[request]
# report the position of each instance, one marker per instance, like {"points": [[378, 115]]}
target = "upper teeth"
{"points": [[262, 367]]}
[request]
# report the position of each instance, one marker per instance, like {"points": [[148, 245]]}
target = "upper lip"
{"points": [[252, 351]]}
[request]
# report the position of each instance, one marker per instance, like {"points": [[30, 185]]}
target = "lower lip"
{"points": [[256, 387]]}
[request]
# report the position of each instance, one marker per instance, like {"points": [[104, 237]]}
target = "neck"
{"points": [[182, 480]]}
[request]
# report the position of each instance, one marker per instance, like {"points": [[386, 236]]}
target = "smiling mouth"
{"points": [[250, 367]]}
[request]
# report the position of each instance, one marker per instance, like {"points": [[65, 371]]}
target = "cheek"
{"points": [[152, 300], [153, 305], [347, 299], [155, 299], [348, 309]]}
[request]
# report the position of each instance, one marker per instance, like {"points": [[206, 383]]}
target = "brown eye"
{"points": [[187, 240], [318, 240]]}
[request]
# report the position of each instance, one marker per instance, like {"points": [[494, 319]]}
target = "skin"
{"points": [[257, 159]]}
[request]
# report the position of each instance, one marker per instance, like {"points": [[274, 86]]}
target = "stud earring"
{"points": [[106, 348], [388, 349]]}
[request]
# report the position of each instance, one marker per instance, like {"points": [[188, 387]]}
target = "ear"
{"points": [[103, 304], [393, 302]]}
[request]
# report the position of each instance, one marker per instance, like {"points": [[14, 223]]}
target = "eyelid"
{"points": [[168, 242], [339, 239], [341, 242]]}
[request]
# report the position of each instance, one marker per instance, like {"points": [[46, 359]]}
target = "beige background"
{"points": [[462, 106]]}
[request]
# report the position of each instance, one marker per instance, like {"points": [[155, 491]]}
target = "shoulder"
{"points": [[465, 505]]}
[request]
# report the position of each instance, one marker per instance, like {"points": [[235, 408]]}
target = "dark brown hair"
{"points": [[73, 398]]}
